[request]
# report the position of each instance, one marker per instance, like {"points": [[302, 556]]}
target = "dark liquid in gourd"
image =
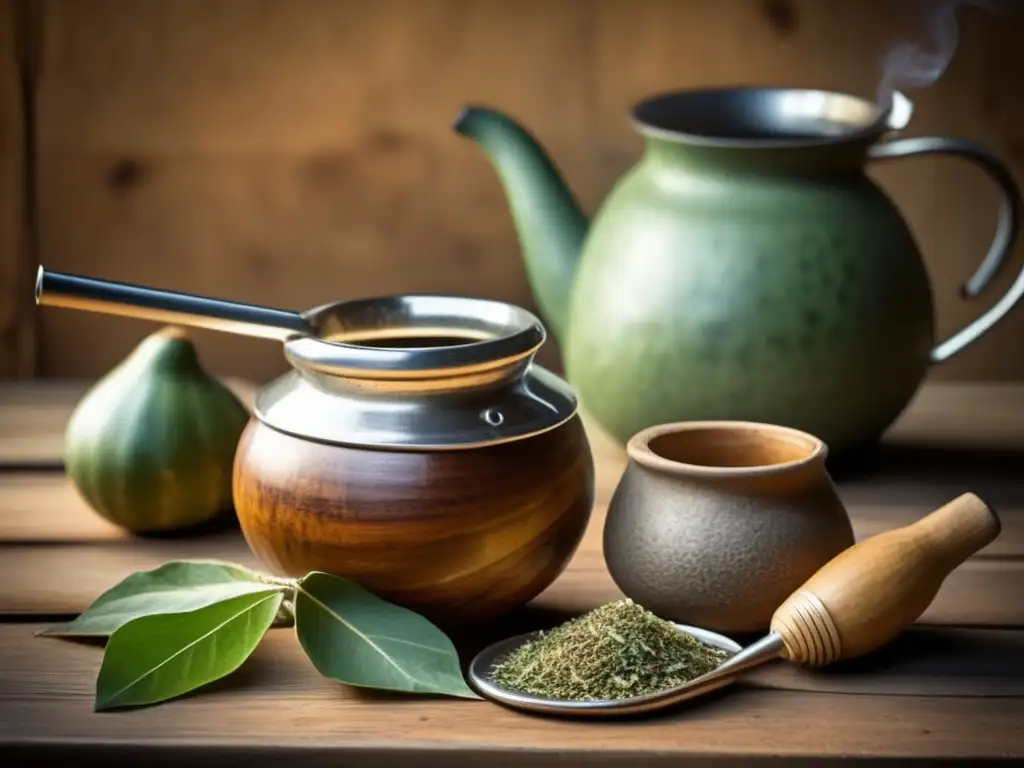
{"points": [[395, 342]]}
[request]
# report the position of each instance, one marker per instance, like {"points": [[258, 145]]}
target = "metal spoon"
{"points": [[57, 289], [855, 603]]}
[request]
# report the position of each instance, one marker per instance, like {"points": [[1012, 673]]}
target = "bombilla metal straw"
{"points": [[766, 649], [58, 289]]}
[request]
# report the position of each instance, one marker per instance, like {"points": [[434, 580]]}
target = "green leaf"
{"points": [[155, 658], [356, 638], [174, 587]]}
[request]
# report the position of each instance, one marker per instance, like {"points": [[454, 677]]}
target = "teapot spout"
{"points": [[547, 218]]}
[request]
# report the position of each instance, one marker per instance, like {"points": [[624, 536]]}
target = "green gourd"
{"points": [[151, 444]]}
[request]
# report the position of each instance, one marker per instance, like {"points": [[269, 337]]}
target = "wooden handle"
{"points": [[869, 593]]}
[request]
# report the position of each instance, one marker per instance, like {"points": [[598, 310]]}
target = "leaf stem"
{"points": [[268, 579], [286, 612]]}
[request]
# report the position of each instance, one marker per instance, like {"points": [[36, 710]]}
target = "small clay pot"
{"points": [[716, 523]]}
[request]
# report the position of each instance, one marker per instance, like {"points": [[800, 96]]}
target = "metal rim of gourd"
{"points": [[496, 334]]}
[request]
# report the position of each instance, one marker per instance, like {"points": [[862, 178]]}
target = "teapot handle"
{"points": [[1006, 230]]}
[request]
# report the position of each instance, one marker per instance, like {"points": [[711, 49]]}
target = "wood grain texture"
{"points": [[299, 151], [45, 508], [924, 660], [51, 579], [17, 321], [954, 438], [872, 591], [278, 709], [454, 535], [57, 579]]}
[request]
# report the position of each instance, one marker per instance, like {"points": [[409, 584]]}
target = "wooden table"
{"points": [[951, 687]]}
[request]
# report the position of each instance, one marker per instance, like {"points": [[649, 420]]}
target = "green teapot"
{"points": [[746, 267]]}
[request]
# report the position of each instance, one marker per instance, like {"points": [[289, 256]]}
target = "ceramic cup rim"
{"points": [[639, 450]]}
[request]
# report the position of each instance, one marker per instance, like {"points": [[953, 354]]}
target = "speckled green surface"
{"points": [[792, 299], [776, 285]]}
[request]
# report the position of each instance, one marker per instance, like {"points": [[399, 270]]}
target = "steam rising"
{"points": [[916, 64]]}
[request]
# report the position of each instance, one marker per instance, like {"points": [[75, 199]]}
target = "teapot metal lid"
{"points": [[416, 372]]}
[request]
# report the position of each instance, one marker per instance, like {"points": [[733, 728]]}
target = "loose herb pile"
{"points": [[617, 651], [185, 624]]}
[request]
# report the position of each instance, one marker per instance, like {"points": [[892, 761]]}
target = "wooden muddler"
{"points": [[869, 593]]}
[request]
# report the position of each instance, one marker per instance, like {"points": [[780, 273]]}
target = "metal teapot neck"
{"points": [[761, 118]]}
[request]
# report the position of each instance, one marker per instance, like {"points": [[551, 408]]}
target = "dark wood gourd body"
{"points": [[453, 534], [414, 448]]}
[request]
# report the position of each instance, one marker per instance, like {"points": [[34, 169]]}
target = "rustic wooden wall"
{"points": [[291, 152], [17, 326]]}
